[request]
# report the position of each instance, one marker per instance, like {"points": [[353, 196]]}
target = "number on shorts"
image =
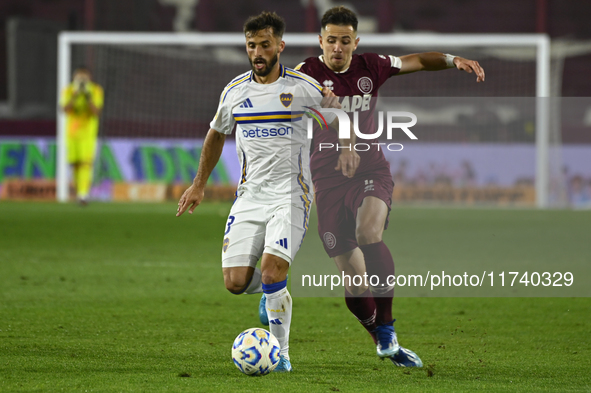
{"points": [[230, 222]]}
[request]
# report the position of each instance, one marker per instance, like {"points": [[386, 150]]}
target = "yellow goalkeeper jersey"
{"points": [[81, 122]]}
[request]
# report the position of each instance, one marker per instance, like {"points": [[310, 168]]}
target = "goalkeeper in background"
{"points": [[82, 101]]}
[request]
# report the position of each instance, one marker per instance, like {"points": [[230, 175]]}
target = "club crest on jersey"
{"points": [[328, 83], [286, 99], [226, 244], [330, 240], [365, 84]]}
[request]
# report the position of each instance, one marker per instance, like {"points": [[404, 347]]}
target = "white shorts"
{"points": [[254, 228]]}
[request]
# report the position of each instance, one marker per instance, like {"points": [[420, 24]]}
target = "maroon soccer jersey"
{"points": [[356, 86]]}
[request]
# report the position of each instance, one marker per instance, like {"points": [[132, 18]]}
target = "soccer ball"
{"points": [[256, 352]]}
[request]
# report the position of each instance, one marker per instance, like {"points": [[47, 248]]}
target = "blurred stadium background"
{"points": [[160, 99]]}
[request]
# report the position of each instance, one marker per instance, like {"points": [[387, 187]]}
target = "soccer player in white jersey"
{"points": [[269, 217]]}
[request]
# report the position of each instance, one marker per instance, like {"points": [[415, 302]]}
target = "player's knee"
{"points": [[235, 286], [368, 234]]}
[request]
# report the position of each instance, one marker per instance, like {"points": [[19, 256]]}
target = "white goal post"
{"points": [[428, 41]]}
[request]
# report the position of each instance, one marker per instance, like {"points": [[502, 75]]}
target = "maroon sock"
{"points": [[364, 309], [379, 262]]}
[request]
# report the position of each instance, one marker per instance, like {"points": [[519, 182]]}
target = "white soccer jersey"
{"points": [[271, 137]]}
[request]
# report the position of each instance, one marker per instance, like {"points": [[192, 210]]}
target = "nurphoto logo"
{"points": [[392, 123]]}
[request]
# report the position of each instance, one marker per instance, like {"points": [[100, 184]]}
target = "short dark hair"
{"points": [[340, 16], [263, 21]]}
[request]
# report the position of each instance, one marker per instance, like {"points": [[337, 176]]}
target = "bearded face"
{"points": [[261, 66]]}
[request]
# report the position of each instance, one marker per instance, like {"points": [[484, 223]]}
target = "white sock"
{"points": [[256, 284], [279, 312]]}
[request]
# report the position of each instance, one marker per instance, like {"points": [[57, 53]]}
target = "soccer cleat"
{"points": [[284, 366], [406, 358], [263, 311], [387, 340]]}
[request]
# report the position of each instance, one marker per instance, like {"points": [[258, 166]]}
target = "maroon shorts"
{"points": [[337, 210]]}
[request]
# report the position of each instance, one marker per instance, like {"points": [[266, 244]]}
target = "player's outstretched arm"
{"points": [[210, 155], [437, 61], [469, 66]]}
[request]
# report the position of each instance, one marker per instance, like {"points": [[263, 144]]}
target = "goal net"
{"points": [[500, 146]]}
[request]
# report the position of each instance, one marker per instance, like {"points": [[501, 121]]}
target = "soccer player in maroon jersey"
{"points": [[353, 212]]}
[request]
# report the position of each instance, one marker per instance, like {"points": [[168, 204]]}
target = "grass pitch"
{"points": [[123, 297]]}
